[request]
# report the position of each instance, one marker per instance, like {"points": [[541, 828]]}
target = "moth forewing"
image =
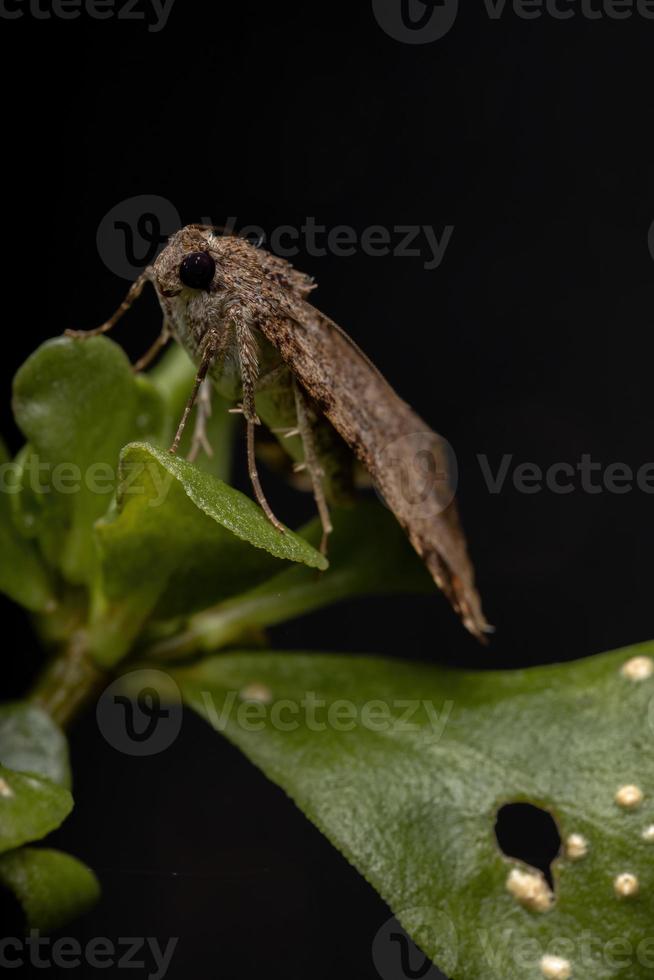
{"points": [[390, 440]]}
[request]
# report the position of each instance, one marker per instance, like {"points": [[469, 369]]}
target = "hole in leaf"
{"points": [[529, 834]]}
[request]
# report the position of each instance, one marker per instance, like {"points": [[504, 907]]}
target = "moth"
{"points": [[244, 317]]}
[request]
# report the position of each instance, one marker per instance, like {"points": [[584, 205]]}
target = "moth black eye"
{"points": [[197, 270]]}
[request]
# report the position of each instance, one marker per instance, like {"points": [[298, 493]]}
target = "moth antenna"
{"points": [[133, 294]]}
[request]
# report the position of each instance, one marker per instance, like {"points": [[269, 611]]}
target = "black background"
{"points": [[531, 138]]}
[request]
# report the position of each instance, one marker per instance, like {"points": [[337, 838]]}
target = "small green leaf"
{"points": [[404, 767], [53, 888], [23, 577], [78, 403], [30, 807], [180, 540], [368, 555], [30, 742]]}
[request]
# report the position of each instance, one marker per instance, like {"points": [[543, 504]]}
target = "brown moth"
{"points": [[244, 317]]}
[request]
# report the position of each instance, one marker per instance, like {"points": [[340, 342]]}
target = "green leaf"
{"points": [[414, 808], [78, 403], [52, 887], [173, 378], [30, 807], [368, 555], [180, 540], [23, 577], [31, 742]]}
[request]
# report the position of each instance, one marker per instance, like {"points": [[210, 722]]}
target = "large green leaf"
{"points": [[30, 807], [180, 540], [414, 807], [368, 555], [23, 575], [78, 403], [52, 887], [31, 742]]}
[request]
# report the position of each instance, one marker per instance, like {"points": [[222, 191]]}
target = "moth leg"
{"points": [[211, 350], [200, 439], [152, 351], [312, 464], [256, 483], [248, 355], [133, 294]]}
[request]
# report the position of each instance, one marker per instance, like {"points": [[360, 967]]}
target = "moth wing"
{"points": [[286, 275], [410, 464]]}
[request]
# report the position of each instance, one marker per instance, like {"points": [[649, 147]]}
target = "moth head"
{"points": [[188, 262]]}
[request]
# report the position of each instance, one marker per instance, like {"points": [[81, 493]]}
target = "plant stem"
{"points": [[69, 682]]}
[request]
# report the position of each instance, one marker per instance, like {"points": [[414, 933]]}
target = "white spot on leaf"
{"points": [[629, 797], [531, 889], [256, 692], [5, 789], [555, 968], [638, 669], [626, 885], [576, 847], [648, 834]]}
